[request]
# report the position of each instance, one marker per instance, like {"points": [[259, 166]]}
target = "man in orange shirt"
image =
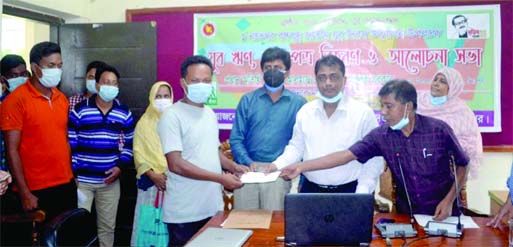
{"points": [[34, 121]]}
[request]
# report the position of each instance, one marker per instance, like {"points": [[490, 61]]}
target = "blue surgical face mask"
{"points": [[91, 86], [273, 89], [325, 99], [199, 92], [51, 77], [404, 121], [437, 100], [16, 82], [108, 92]]}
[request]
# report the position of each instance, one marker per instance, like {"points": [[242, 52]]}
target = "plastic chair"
{"points": [[35, 217], [71, 228]]}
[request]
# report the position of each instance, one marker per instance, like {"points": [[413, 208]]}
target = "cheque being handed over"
{"points": [[421, 148]]}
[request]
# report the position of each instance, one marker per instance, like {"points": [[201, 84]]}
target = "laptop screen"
{"points": [[328, 219]]}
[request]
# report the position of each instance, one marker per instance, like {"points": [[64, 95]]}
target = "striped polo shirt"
{"points": [[94, 139]]}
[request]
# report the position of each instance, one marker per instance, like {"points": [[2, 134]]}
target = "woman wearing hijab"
{"points": [[443, 102], [149, 159]]}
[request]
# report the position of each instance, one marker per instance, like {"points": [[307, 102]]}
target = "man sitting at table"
{"points": [[418, 150]]}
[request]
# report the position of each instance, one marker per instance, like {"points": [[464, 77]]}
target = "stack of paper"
{"points": [[466, 221], [249, 219]]}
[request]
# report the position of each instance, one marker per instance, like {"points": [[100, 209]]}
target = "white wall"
{"points": [[1, 11], [493, 172], [492, 176]]}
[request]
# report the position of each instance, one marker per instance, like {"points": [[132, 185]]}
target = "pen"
{"points": [[280, 238]]}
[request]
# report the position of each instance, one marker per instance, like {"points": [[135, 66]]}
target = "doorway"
{"points": [[19, 34]]}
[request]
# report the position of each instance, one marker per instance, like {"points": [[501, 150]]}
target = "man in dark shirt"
{"points": [[422, 147]]}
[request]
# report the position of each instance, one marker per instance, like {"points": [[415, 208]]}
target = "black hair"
{"points": [[275, 53], [103, 69], [458, 16], [11, 61], [43, 49], [196, 59], [95, 65], [403, 91], [328, 61]]}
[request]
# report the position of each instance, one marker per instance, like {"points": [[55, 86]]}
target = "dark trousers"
{"points": [[53, 201], [181, 233], [309, 187], [57, 199]]}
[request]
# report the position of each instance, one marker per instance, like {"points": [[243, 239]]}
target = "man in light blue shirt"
{"points": [[507, 208], [262, 128]]}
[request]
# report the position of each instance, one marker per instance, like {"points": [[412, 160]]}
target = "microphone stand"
{"points": [[396, 230], [458, 198], [448, 229], [405, 188]]}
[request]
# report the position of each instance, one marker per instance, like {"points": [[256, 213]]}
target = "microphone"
{"points": [[398, 155], [449, 229], [458, 198], [395, 230]]}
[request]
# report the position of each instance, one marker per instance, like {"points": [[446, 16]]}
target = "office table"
{"points": [[497, 199], [484, 236]]}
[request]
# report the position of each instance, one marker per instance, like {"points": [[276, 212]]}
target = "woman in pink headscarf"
{"points": [[443, 103]]}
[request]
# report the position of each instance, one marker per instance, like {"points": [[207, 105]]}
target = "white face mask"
{"points": [[91, 86], [199, 92], [162, 104], [51, 77]]}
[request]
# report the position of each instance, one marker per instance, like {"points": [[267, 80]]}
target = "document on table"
{"points": [[248, 219], [466, 221], [259, 177]]}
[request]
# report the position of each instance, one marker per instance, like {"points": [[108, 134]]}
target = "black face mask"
{"points": [[274, 77]]}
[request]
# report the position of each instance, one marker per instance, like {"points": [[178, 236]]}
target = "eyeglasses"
{"points": [[335, 77]]}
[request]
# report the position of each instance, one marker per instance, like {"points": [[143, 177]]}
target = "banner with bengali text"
{"points": [[376, 45]]}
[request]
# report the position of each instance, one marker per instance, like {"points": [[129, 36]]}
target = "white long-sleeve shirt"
{"points": [[315, 135]]}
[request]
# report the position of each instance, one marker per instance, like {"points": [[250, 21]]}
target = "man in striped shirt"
{"points": [[95, 126]]}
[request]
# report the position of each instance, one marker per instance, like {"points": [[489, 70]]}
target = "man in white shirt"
{"points": [[190, 141], [332, 123]]}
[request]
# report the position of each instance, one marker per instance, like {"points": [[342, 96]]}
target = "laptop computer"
{"points": [[328, 219], [219, 237]]}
